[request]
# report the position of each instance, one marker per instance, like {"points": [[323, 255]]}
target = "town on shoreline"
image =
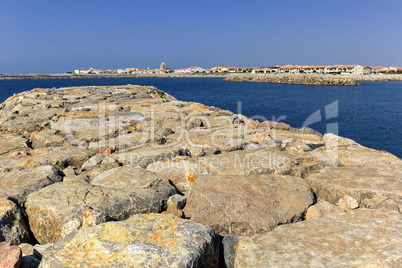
{"points": [[337, 75]]}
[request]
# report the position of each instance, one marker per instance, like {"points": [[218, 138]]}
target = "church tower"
{"points": [[163, 67]]}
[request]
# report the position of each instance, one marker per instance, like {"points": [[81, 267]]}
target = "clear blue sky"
{"points": [[51, 36]]}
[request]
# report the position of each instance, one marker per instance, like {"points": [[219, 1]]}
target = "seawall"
{"points": [[311, 79]]}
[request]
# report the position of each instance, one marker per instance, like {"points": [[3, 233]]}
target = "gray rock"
{"points": [[18, 183], [60, 209], [179, 201], [13, 227], [229, 243], [93, 161]]}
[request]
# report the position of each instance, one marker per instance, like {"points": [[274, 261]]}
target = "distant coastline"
{"points": [[99, 76], [303, 79]]}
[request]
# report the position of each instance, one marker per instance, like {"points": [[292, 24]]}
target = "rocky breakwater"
{"points": [[302, 79], [128, 176]]}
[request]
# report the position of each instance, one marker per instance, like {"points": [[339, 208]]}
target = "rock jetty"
{"points": [[311, 79], [129, 176]]}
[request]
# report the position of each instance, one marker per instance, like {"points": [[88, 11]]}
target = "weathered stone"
{"points": [[12, 223], [178, 201], [10, 143], [369, 186], [347, 203], [10, 256], [229, 244], [47, 138], [247, 162], [60, 209], [181, 171], [322, 208], [153, 240], [93, 161], [18, 183], [360, 238], [60, 157], [244, 205], [297, 146], [144, 156]]}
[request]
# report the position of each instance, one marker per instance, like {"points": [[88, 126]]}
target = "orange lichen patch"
{"points": [[348, 162], [33, 134], [107, 152], [191, 177], [131, 128], [81, 113], [5, 205], [139, 127]]}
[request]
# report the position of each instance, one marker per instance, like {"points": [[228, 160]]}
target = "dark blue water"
{"points": [[370, 114]]}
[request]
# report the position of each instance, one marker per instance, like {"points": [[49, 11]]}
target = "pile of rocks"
{"points": [[311, 79], [128, 176]]}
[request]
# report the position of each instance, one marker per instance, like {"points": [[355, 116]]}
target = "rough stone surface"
{"points": [[322, 208], [151, 240], [18, 183], [360, 238], [13, 227], [369, 186], [62, 208], [181, 171], [10, 256], [244, 205], [240, 176]]}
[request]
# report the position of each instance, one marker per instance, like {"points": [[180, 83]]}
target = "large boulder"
{"points": [[60, 157], [20, 182], [10, 143], [248, 162], [152, 240], [13, 227], [180, 171], [244, 205], [115, 194], [360, 238], [371, 187]]}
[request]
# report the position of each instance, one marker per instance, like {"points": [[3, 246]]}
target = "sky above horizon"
{"points": [[44, 36]]}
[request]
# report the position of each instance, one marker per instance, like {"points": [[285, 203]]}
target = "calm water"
{"points": [[370, 114]]}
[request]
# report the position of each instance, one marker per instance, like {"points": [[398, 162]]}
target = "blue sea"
{"points": [[370, 114]]}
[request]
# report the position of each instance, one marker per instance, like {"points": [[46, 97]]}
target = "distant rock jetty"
{"points": [[311, 79], [129, 176]]}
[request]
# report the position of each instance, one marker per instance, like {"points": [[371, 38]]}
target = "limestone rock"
{"points": [[18, 183], [10, 256], [144, 156], [47, 138], [347, 203], [13, 227], [244, 205], [60, 157], [60, 209], [10, 143], [181, 171], [93, 161], [369, 186], [247, 162], [153, 240], [322, 208], [360, 238]]}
